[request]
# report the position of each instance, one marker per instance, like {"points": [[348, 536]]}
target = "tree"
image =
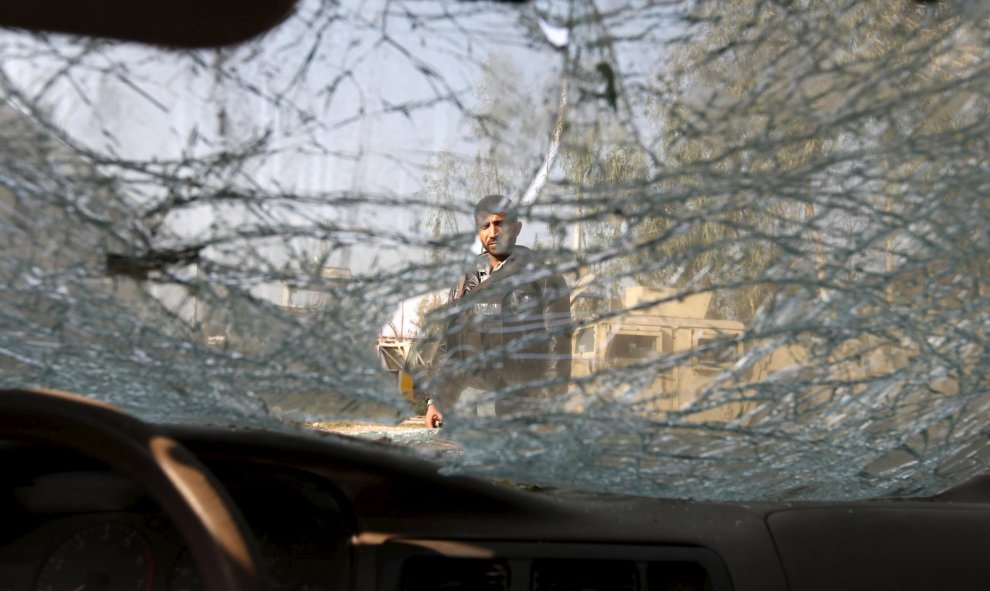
{"points": [[762, 112]]}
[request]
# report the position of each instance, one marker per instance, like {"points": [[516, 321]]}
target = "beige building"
{"points": [[666, 347]]}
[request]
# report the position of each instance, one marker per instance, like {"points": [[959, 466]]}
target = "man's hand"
{"points": [[433, 417]]}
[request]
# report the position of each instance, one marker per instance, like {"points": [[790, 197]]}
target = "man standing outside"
{"points": [[508, 326]]}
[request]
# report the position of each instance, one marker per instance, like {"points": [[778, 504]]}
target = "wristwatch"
{"points": [[429, 402]]}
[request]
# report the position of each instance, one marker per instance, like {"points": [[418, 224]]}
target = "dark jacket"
{"points": [[511, 331]]}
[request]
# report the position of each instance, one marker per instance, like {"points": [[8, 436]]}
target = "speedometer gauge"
{"points": [[105, 556], [185, 576]]}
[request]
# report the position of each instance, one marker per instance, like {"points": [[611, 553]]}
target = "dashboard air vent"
{"points": [[585, 575], [433, 573]]}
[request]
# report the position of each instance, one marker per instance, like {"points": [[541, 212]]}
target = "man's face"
{"points": [[497, 234]]}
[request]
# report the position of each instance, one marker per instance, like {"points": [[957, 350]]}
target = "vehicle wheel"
{"points": [[218, 538]]}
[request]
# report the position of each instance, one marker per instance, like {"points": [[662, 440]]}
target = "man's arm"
{"points": [[433, 418], [447, 393]]}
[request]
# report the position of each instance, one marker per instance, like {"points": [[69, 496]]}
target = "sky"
{"points": [[315, 89]]}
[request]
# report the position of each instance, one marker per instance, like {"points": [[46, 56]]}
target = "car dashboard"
{"points": [[332, 513]]}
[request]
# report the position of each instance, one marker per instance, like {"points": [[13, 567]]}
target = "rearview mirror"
{"points": [[174, 23]]}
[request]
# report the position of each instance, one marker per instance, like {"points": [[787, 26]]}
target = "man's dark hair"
{"points": [[490, 204]]}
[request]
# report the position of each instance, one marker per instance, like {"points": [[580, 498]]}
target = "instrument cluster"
{"points": [[85, 529]]}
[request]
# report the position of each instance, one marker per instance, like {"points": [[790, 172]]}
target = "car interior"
{"points": [[91, 490]]}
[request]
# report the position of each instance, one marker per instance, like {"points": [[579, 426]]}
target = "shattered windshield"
{"points": [[734, 249]]}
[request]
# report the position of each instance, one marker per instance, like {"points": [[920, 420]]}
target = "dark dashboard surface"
{"points": [[330, 513]]}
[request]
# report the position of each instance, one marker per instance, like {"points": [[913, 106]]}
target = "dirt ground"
{"points": [[352, 428], [410, 433]]}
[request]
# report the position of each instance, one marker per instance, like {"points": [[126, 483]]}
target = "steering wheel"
{"points": [[209, 522]]}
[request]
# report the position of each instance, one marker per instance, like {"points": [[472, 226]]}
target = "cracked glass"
{"points": [[743, 243]]}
